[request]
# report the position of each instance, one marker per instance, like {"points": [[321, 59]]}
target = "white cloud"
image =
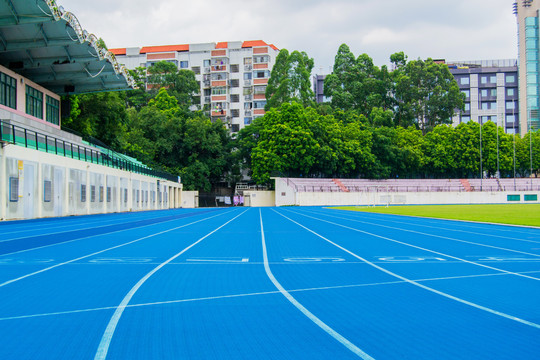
{"points": [[462, 29]]}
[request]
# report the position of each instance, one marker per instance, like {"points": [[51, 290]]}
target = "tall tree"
{"points": [[181, 84], [290, 80], [427, 94]]}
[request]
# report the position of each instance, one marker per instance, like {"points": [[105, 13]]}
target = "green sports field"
{"points": [[515, 214]]}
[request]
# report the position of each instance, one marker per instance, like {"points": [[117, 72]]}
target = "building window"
{"points": [[258, 90], [52, 110], [247, 76], [47, 191], [467, 106], [484, 92], [493, 79], [467, 93], [510, 78], [34, 102], [532, 66], [8, 91], [109, 194], [261, 59], [510, 92], [219, 91], [510, 119], [83, 193], [259, 104], [489, 105], [531, 44], [261, 74], [92, 193], [465, 119], [247, 120], [464, 81], [13, 189], [101, 194], [510, 105], [184, 64]]}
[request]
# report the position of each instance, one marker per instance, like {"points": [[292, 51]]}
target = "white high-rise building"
{"points": [[233, 75]]}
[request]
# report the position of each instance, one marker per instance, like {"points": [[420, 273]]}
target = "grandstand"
{"points": [[412, 185], [315, 191], [45, 171]]}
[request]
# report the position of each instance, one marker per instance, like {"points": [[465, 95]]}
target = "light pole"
{"points": [[514, 136]]}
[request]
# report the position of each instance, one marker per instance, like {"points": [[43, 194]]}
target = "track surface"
{"points": [[270, 283]]}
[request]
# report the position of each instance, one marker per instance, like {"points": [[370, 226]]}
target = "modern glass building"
{"points": [[527, 12]]}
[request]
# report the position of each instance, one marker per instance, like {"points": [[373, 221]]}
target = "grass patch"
{"points": [[515, 214]]}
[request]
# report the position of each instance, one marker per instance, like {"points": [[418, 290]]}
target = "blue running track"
{"points": [[270, 283]]}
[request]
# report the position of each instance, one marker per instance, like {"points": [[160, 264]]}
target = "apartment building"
{"points": [[490, 88], [527, 12], [491, 92], [233, 75]]}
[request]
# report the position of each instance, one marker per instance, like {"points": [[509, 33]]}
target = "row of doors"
{"points": [[29, 186]]}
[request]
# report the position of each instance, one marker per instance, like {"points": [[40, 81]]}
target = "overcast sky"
{"points": [[456, 30]]}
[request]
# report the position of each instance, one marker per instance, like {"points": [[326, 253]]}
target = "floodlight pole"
{"points": [[498, 170], [480, 122], [514, 137]]}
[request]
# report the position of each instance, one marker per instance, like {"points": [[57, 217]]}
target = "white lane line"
{"points": [[433, 235], [219, 297], [349, 345], [105, 342], [422, 248], [416, 283], [102, 251], [524, 229], [66, 223], [65, 228], [91, 236], [355, 218]]}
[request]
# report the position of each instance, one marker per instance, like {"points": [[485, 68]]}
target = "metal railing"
{"points": [[17, 135]]}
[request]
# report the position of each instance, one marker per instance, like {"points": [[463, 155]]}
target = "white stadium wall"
{"points": [[36, 184], [286, 196]]}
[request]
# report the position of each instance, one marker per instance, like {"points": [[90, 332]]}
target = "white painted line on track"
{"points": [[416, 283], [470, 224], [102, 251], [425, 249], [355, 218], [69, 227], [91, 236], [220, 297], [105, 342], [349, 345]]}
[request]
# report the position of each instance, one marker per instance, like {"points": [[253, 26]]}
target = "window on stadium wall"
{"points": [[34, 102], [8, 91], [52, 110]]}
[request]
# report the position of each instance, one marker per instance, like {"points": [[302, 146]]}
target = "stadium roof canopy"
{"points": [[46, 44]]}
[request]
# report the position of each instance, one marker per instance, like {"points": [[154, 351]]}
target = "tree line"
{"points": [[380, 123]]}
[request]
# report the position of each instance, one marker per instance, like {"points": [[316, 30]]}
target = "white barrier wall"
{"points": [[190, 199], [35, 184], [259, 198], [286, 195]]}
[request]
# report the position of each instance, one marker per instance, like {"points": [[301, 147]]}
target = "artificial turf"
{"points": [[514, 214]]}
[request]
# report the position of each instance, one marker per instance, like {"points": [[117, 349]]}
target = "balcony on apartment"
{"points": [[219, 79], [219, 64], [218, 109], [260, 62]]}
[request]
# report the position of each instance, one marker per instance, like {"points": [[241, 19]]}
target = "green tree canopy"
{"points": [[290, 80]]}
